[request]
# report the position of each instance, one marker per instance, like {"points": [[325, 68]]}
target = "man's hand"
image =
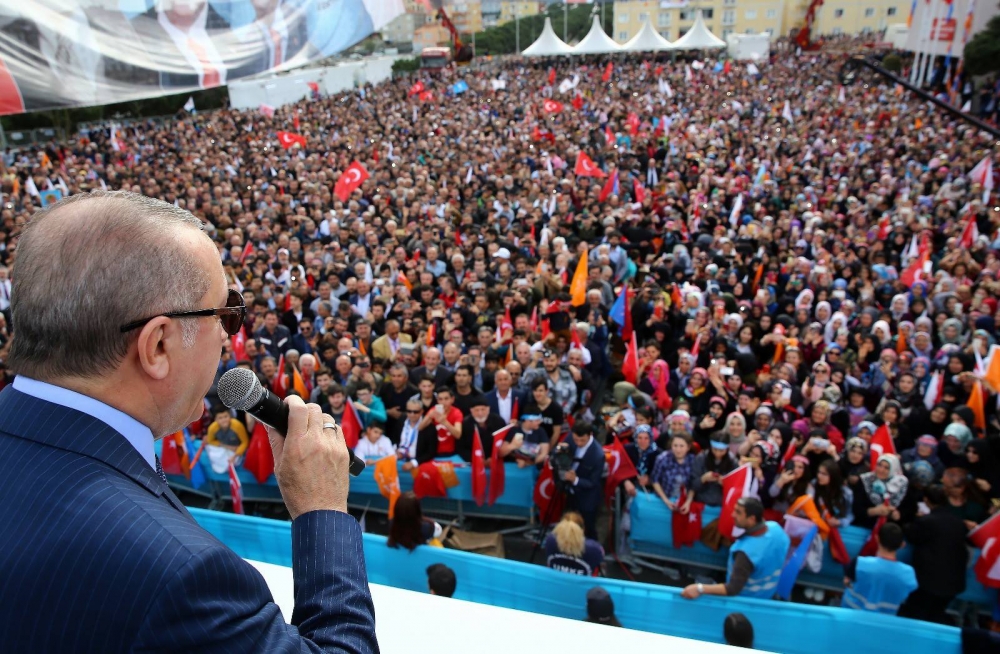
{"points": [[690, 592], [570, 476], [310, 462]]}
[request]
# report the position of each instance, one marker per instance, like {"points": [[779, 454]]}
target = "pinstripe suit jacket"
{"points": [[98, 555]]}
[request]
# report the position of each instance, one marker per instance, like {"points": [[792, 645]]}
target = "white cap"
{"points": [[502, 253]]}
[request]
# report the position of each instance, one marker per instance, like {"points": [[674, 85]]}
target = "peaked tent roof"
{"points": [[597, 41], [547, 43], [698, 37], [646, 40]]}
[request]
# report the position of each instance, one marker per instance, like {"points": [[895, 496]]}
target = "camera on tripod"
{"points": [[561, 460]]}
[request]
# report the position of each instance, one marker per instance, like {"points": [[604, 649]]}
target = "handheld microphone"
{"points": [[240, 389]]}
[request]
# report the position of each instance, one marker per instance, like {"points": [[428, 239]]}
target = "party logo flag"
{"points": [[387, 478]]}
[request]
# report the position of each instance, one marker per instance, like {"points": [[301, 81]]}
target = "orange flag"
{"points": [[387, 478], [978, 408], [993, 368], [578, 287], [757, 275], [901, 344], [299, 384]]}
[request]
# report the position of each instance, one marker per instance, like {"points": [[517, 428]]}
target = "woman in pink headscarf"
{"points": [[654, 384]]}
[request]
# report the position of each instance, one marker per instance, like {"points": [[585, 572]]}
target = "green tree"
{"points": [[502, 39], [982, 53]]}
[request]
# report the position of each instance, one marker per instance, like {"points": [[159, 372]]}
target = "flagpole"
{"points": [[935, 35], [566, 20], [923, 28], [517, 28]]}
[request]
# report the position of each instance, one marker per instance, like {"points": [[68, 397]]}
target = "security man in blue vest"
{"points": [[880, 583], [755, 559]]}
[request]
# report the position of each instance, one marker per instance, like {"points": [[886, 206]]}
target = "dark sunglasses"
{"points": [[231, 316], [414, 412]]}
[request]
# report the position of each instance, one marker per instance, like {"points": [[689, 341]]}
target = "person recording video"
{"points": [[102, 556]]}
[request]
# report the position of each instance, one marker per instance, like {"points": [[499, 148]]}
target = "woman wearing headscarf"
{"points": [[642, 451], [736, 427], [951, 332], [891, 415], [854, 461], [697, 392], [710, 467], [904, 393], [837, 322], [983, 468], [880, 493], [654, 384], [951, 450], [924, 450], [965, 500]]}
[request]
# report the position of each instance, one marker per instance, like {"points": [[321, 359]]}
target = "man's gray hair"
{"points": [[90, 264]]}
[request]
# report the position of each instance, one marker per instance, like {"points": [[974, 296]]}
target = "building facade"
{"points": [[466, 15], [518, 9], [401, 29], [672, 18]]}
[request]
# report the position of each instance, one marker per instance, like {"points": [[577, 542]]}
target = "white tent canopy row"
{"points": [[597, 41]]}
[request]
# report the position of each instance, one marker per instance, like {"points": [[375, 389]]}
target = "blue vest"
{"points": [[880, 585], [767, 553]]}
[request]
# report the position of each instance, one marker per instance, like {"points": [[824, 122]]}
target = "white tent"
{"points": [[547, 44], [647, 40], [698, 37], [596, 41]]}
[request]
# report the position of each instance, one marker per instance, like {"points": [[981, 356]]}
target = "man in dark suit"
{"points": [[432, 367], [416, 445], [296, 312], [101, 556], [940, 556], [583, 482], [504, 400]]}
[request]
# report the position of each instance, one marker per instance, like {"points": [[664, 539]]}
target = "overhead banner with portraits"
{"points": [[74, 53]]}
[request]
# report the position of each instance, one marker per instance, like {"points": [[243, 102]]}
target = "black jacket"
{"points": [[588, 489], [940, 554]]}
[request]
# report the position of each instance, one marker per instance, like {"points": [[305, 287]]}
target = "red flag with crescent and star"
{"points": [[478, 469], [350, 180], [620, 466], [547, 498], [289, 139], [552, 106], [585, 167]]}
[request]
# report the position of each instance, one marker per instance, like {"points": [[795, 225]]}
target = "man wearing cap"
{"points": [[755, 559], [480, 418]]}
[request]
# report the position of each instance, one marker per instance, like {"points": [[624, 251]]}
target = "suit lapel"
{"points": [[54, 425]]}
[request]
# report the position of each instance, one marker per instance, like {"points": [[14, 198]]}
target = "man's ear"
{"points": [[156, 340]]}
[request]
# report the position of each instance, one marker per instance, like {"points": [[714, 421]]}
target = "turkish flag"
{"points": [[247, 251], [515, 412], [350, 424], [609, 187], [239, 343], [552, 106], [235, 489], [577, 102], [288, 139], [313, 86], [426, 96], [295, 121], [970, 233], [881, 444], [478, 469], [548, 499], [987, 538], [657, 71], [280, 387], [259, 459], [497, 473], [640, 190], [686, 528], [734, 486], [552, 76], [428, 482], [170, 458], [838, 551], [350, 180], [417, 88], [870, 548], [609, 138], [630, 366], [606, 77], [585, 167], [633, 123], [620, 466]]}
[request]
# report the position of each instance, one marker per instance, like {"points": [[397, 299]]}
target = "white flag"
{"points": [[548, 165], [841, 96], [103, 185], [29, 186], [468, 175], [498, 84], [967, 107], [414, 113], [687, 74], [565, 86], [752, 69], [62, 185], [267, 110], [189, 105], [786, 113], [982, 174], [734, 215]]}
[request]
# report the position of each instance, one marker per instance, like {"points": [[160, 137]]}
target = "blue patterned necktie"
{"points": [[159, 470]]}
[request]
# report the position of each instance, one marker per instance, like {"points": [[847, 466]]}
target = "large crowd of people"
{"points": [[803, 265]]}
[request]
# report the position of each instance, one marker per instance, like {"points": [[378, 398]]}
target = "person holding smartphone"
{"points": [[710, 467]]}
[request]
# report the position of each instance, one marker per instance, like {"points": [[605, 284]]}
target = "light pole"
{"points": [[517, 28], [566, 20]]}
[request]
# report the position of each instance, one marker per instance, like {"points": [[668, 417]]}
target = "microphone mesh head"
{"points": [[239, 388]]}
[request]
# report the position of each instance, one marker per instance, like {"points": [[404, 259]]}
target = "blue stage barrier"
{"points": [[778, 626], [652, 534], [517, 500]]}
